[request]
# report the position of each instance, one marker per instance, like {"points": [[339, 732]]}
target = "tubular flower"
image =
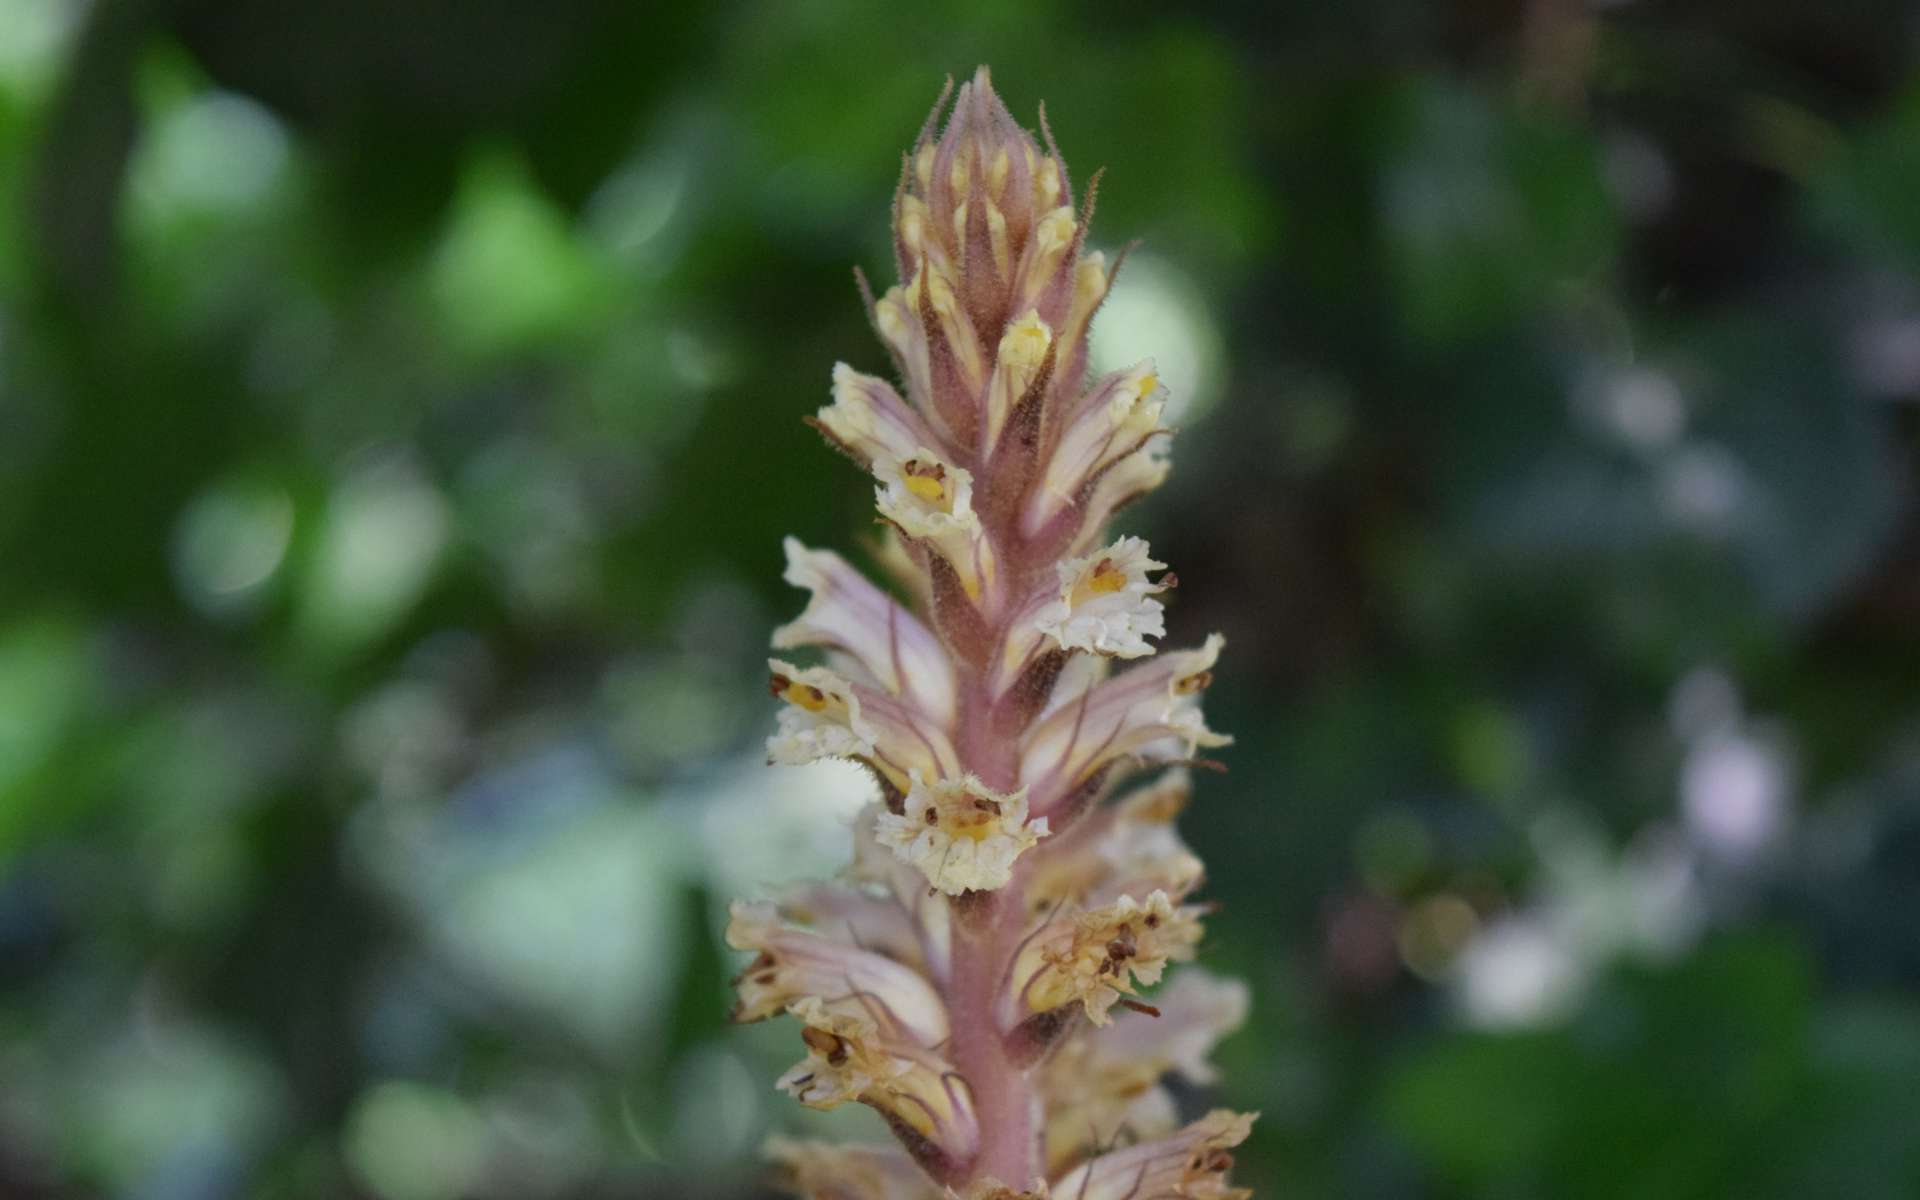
{"points": [[980, 974], [962, 835], [1106, 602]]}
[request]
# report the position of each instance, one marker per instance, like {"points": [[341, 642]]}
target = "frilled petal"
{"points": [[1106, 603], [1190, 1165], [830, 716], [822, 718], [1097, 956], [838, 1171], [792, 964], [847, 613], [1149, 713], [961, 834]]}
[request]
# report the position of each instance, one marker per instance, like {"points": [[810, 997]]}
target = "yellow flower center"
{"points": [[973, 818], [928, 481], [805, 695], [1103, 580]]}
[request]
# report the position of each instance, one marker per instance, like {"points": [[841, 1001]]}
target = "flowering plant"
{"points": [[975, 977]]}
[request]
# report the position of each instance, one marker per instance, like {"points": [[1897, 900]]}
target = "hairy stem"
{"points": [[985, 938], [1003, 1100]]}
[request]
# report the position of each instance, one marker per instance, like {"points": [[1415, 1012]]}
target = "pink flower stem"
{"points": [[985, 937], [1002, 1098]]}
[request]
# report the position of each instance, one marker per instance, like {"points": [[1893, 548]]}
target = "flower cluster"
{"points": [[976, 976]]}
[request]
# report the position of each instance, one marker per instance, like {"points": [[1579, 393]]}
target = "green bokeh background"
{"points": [[399, 415]]}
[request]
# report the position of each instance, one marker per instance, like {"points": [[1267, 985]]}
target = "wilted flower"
{"points": [[978, 976]]}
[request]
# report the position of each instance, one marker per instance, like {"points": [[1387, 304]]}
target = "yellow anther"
{"points": [[930, 490], [808, 697], [804, 695], [928, 481], [997, 173], [1106, 580]]}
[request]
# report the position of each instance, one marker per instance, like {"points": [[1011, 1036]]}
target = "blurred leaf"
{"points": [[1486, 210]]}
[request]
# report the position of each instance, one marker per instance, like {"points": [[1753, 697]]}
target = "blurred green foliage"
{"points": [[399, 416]]}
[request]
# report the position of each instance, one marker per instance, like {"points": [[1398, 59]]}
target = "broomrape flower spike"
{"points": [[980, 976]]}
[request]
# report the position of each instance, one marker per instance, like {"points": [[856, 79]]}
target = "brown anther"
{"points": [[1136, 1006], [1192, 683], [1153, 921], [933, 815], [777, 685], [830, 1046], [987, 806]]}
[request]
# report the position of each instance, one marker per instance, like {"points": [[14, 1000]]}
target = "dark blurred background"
{"points": [[400, 410]]}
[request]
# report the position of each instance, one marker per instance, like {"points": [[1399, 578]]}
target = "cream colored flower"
{"points": [[889, 644], [844, 1059], [1190, 1165], [1109, 1079], [831, 716], [822, 717], [1023, 350], [837, 1171], [1106, 602], [1117, 417], [1099, 956], [961, 834], [869, 419], [848, 1059], [791, 965], [1149, 713], [1124, 847], [930, 499]]}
